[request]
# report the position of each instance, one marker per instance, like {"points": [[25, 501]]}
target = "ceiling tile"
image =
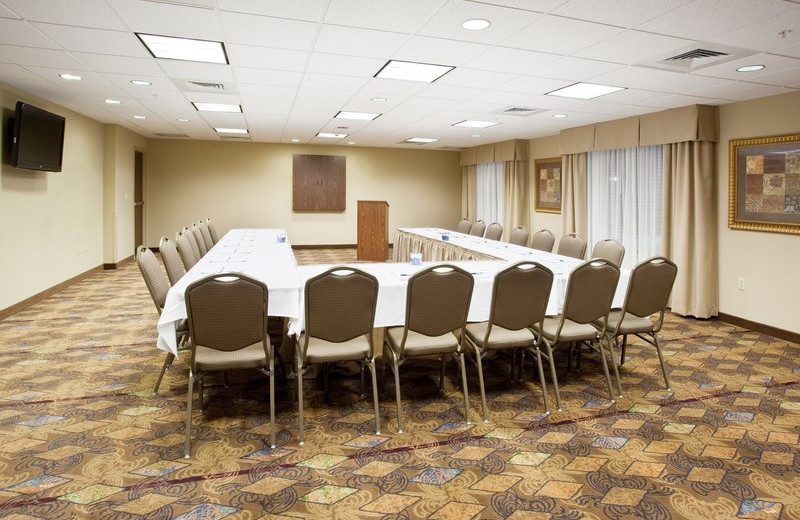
{"points": [[574, 69], [773, 34], [120, 64], [740, 91], [40, 57], [358, 42], [266, 58], [344, 65], [99, 41], [438, 90], [631, 47], [158, 83], [541, 6], [446, 23], [85, 13], [511, 61], [332, 81], [211, 72], [169, 19], [19, 32], [268, 32], [707, 19], [482, 79], [532, 85], [440, 51], [310, 10], [558, 35], [624, 13], [772, 64], [281, 78], [407, 16], [656, 80]]}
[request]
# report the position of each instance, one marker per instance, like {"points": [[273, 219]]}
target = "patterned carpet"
{"points": [[81, 435]]}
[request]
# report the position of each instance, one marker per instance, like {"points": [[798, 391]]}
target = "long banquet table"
{"points": [[258, 253]]}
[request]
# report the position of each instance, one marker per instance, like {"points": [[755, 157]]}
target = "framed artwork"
{"points": [[764, 184], [547, 175]]}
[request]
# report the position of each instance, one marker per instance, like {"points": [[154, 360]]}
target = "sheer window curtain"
{"points": [[490, 192], [625, 200]]}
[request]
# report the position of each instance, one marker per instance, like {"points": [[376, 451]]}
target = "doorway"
{"points": [[138, 200]]}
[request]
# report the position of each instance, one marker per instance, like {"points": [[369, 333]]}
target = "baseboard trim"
{"points": [[124, 261], [325, 246], [787, 335], [36, 298]]}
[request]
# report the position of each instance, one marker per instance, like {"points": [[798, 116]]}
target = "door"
{"points": [[138, 200]]}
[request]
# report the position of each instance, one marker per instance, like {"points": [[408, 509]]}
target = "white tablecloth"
{"points": [[254, 252]]}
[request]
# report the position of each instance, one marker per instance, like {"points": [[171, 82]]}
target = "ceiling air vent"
{"points": [[520, 111], [235, 138], [177, 136], [697, 56], [203, 86]]}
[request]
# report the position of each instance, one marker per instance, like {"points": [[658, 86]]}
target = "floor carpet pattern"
{"points": [[82, 436]]}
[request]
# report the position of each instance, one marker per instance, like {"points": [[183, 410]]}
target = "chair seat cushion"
{"points": [[321, 351], [630, 323], [571, 331], [500, 337], [208, 359], [421, 345]]}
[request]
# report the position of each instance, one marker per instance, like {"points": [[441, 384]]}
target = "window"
{"points": [[625, 200], [489, 192]]}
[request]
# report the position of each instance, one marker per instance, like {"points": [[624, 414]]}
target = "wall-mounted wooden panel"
{"points": [[318, 182]]}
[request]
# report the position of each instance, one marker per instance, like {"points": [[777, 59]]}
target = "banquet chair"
{"points": [[464, 225], [609, 249], [587, 302], [199, 240], [648, 291], [519, 301], [437, 303], [192, 242], [172, 260], [494, 231], [477, 228], [519, 236], [339, 318], [543, 240], [212, 230], [209, 242], [572, 245], [227, 316], [185, 249], [158, 285]]}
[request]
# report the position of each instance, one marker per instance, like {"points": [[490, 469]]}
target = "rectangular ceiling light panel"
{"points": [[217, 107], [470, 123], [172, 48], [585, 91], [413, 71], [360, 116]]}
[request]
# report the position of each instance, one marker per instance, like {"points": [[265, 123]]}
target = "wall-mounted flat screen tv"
{"points": [[37, 139]]}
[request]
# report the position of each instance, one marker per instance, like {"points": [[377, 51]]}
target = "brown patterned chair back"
{"points": [[520, 295], [154, 278], [494, 231], [209, 242], [543, 240], [464, 225], [185, 249], [650, 286], [477, 229], [609, 249], [590, 291], [519, 236], [199, 240], [438, 299], [572, 245], [172, 260]]}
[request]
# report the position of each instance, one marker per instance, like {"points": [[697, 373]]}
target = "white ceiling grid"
{"points": [[294, 65]]}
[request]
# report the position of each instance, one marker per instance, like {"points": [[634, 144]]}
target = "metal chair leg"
{"points": [[480, 382], [167, 362], [463, 366], [605, 370], [272, 402], [371, 365], [396, 370], [542, 382], [301, 423], [661, 360], [553, 375], [187, 447]]}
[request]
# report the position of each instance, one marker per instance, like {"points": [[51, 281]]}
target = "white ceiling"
{"points": [[296, 63]]}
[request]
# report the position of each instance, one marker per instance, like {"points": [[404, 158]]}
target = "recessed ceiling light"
{"points": [[141, 82], [230, 130], [182, 120], [470, 123], [379, 100], [559, 116], [186, 49], [112, 101], [750, 68], [332, 135], [420, 140], [476, 135], [476, 24], [70, 77], [413, 71], [140, 117], [351, 142], [361, 116], [216, 107], [585, 91], [295, 140]]}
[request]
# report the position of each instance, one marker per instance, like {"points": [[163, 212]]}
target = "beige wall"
{"points": [[767, 261], [543, 148], [51, 224], [250, 185]]}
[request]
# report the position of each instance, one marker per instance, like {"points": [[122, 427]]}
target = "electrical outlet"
{"points": [[740, 284]]}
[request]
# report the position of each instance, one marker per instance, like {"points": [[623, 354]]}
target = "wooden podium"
{"points": [[373, 230]]}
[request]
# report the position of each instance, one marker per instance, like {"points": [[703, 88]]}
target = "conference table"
{"points": [[259, 253]]}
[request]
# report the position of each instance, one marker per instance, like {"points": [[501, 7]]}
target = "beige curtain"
{"points": [[573, 194], [516, 200], [690, 224], [468, 190]]}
